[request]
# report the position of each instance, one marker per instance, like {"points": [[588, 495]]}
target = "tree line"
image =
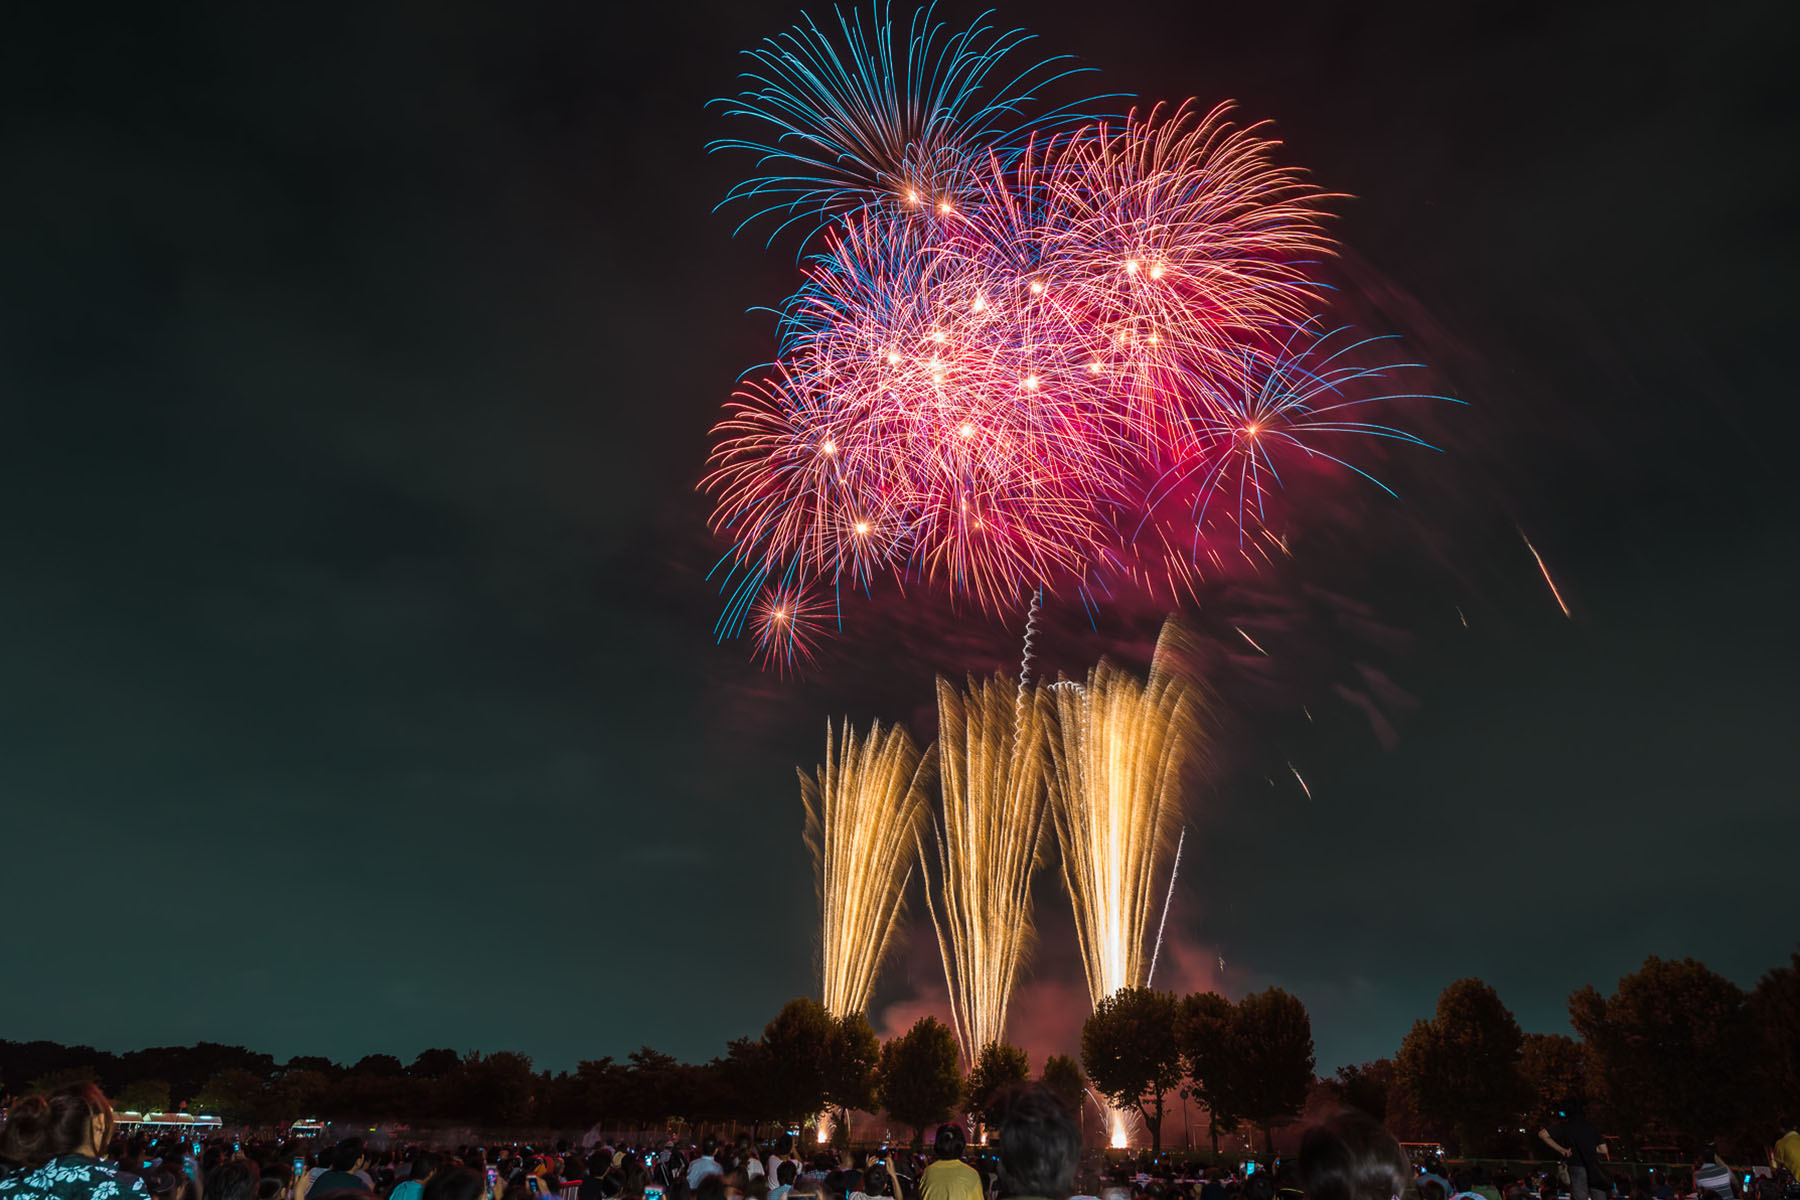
{"points": [[1676, 1056]]}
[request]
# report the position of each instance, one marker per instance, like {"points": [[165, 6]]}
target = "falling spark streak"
{"points": [[864, 812], [1168, 897], [1122, 748], [1545, 572], [1251, 640], [1297, 775], [979, 861]]}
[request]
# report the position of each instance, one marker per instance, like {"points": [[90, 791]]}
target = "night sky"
{"points": [[358, 685]]}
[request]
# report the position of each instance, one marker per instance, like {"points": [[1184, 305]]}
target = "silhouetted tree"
{"points": [[434, 1064], [1556, 1067], [648, 1092], [1274, 1035], [743, 1073], [799, 1043], [1207, 1031], [1775, 1009], [998, 1066], [1062, 1075], [854, 1056], [1462, 1066], [1365, 1087], [919, 1082], [1676, 1038], [1131, 1053], [378, 1064]]}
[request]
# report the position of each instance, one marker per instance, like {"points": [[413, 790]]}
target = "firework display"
{"points": [[865, 809], [1073, 355], [983, 848], [1120, 750]]}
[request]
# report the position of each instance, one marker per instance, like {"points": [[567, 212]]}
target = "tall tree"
{"points": [[385, 1065], [743, 1074], [919, 1082], [998, 1066], [1555, 1067], [1274, 1035], [800, 1043], [850, 1069], [1131, 1052], [1676, 1038], [1209, 1049], [499, 1088], [432, 1064], [1462, 1066], [1775, 1009], [1062, 1075], [648, 1087], [1366, 1087]]}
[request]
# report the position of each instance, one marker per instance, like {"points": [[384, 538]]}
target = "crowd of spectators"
{"points": [[65, 1146]]}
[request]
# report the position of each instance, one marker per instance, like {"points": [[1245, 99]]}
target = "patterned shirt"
{"points": [[73, 1177]]}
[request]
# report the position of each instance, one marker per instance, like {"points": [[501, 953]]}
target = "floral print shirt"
{"points": [[73, 1177]]}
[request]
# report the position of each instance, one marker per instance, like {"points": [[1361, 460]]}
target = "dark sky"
{"points": [[358, 687]]}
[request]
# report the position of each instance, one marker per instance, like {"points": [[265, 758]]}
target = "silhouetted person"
{"points": [[1352, 1157], [1582, 1148], [1039, 1144]]}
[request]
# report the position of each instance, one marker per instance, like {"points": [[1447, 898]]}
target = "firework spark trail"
{"points": [[865, 809], [1119, 758], [1168, 900], [865, 118], [1545, 572], [984, 848], [1025, 656]]}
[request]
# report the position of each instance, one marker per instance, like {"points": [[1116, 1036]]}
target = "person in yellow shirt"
{"points": [[949, 1178], [1787, 1147]]}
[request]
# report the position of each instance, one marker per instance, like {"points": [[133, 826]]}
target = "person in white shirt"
{"points": [[785, 1174], [705, 1164], [745, 1153], [784, 1148]]}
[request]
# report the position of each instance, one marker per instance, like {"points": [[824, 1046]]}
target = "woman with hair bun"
{"points": [[57, 1141]]}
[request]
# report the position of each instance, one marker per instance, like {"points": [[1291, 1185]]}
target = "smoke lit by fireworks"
{"points": [[1073, 357], [864, 812], [992, 754]]}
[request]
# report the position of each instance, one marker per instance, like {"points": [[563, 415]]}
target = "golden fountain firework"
{"points": [[1121, 748], [992, 751], [864, 812]]}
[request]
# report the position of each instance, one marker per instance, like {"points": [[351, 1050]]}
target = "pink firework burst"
{"points": [[788, 623], [1091, 365]]}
